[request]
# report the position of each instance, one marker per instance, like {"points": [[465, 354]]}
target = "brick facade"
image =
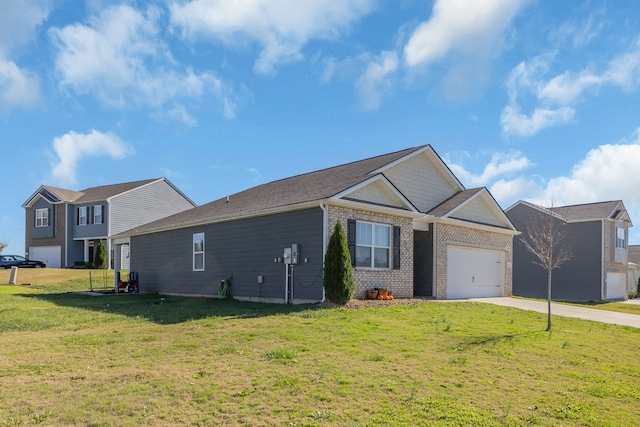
{"points": [[400, 282], [446, 235], [610, 266]]}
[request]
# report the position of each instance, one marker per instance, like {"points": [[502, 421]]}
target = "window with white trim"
{"points": [[82, 215], [97, 214], [621, 238], [42, 217], [373, 245], [198, 252]]}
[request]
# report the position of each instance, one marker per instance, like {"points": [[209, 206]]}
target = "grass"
{"points": [[611, 306], [125, 360]]}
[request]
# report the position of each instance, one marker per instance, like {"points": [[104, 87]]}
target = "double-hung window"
{"points": [[97, 214], [198, 252], [621, 238], [373, 245], [42, 217], [82, 215]]}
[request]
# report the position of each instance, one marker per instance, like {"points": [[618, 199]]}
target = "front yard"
{"points": [[68, 359]]}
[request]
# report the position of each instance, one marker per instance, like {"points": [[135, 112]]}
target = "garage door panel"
{"points": [[616, 286], [50, 255], [474, 273]]}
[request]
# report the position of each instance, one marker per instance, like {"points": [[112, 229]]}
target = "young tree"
{"points": [[3, 245], [338, 276], [100, 257], [545, 239]]}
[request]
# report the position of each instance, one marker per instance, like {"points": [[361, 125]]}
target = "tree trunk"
{"points": [[549, 300]]}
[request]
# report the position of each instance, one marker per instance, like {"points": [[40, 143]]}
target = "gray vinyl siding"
{"points": [[43, 232], [423, 263], [145, 204], [241, 249], [579, 279], [75, 252], [90, 230]]}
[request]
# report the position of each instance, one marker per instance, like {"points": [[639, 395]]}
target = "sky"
{"points": [[535, 100]]}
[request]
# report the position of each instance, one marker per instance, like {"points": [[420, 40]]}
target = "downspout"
{"points": [[434, 285], [109, 241], [325, 228], [602, 266], [67, 214]]}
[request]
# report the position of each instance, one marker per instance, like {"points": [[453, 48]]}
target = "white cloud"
{"points": [[118, 59], [609, 172], [508, 191], [557, 97], [73, 147], [180, 113], [376, 79], [515, 123], [18, 88], [501, 164], [18, 25], [19, 21], [280, 27], [472, 27]]}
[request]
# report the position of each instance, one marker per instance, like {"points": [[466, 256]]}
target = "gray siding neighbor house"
{"points": [[411, 225], [597, 234], [63, 226]]}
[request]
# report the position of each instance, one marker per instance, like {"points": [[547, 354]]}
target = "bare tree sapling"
{"points": [[544, 237]]}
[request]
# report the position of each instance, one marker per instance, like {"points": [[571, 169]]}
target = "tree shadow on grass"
{"points": [[164, 309], [494, 339]]}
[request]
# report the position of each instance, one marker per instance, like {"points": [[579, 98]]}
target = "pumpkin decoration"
{"points": [[380, 297]]}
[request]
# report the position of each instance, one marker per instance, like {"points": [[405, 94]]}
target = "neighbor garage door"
{"points": [[473, 273], [50, 255], [616, 286]]}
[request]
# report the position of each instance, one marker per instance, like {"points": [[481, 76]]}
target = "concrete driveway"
{"points": [[567, 310]]}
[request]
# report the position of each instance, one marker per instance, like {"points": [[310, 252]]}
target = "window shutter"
{"points": [[35, 218], [396, 247], [49, 217], [351, 239], [77, 216]]}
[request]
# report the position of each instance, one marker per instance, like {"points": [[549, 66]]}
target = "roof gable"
{"points": [[53, 195], [378, 191], [423, 178], [474, 205]]}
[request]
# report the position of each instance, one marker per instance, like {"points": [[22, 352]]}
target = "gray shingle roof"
{"points": [[599, 210], [94, 194], [309, 187], [62, 194], [453, 202]]}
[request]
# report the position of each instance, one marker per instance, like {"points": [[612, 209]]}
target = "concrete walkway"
{"points": [[567, 310]]}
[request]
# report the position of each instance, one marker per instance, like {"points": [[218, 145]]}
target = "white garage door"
{"points": [[474, 273], [50, 255], [616, 286]]}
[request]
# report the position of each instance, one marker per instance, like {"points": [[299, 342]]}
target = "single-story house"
{"points": [[596, 233], [412, 226]]}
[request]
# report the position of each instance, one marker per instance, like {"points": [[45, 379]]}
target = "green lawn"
{"points": [[611, 306], [125, 360]]}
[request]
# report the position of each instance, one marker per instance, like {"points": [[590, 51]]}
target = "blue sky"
{"points": [[536, 100]]}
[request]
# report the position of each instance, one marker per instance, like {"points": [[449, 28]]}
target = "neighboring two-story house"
{"points": [[597, 234], [63, 227]]}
